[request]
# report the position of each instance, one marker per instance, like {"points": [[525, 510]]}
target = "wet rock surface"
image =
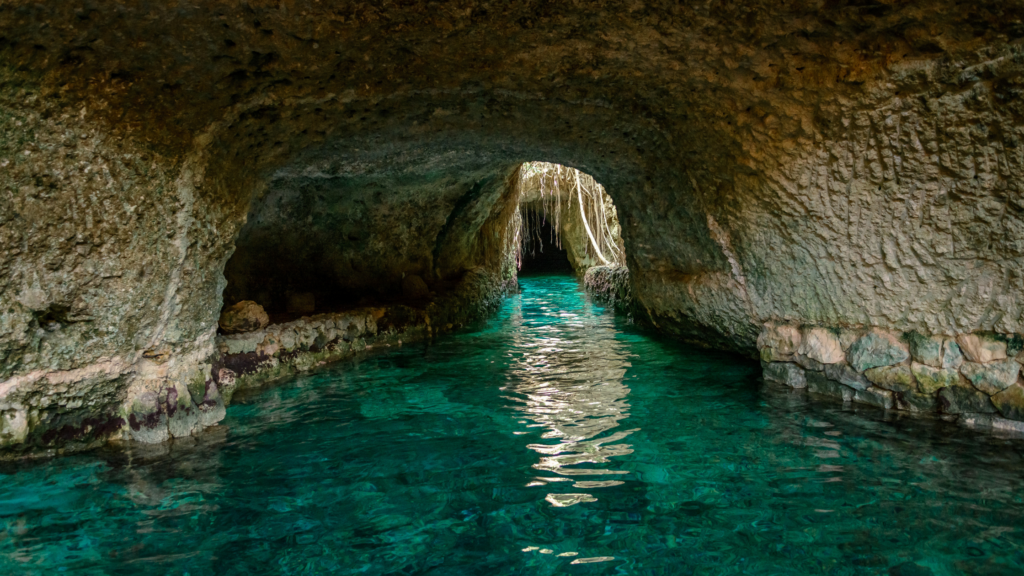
{"points": [[987, 395], [610, 284]]}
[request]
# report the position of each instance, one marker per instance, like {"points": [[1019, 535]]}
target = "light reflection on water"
{"points": [[553, 439], [573, 389]]}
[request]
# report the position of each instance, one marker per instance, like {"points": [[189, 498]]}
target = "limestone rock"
{"points": [[821, 345], [981, 347], [819, 383], [769, 354], [962, 399], [782, 341], [926, 350], [847, 337], [13, 426], [1010, 402], [916, 402], [244, 316], [847, 376], [993, 377], [930, 380], [895, 378], [875, 397], [952, 357], [414, 288], [785, 373], [876, 349]]}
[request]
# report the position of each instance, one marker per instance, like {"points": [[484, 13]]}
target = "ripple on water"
{"points": [[553, 438]]}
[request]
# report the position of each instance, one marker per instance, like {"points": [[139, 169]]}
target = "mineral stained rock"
{"points": [[895, 378], [877, 349], [818, 164], [993, 377], [981, 348], [931, 380]]}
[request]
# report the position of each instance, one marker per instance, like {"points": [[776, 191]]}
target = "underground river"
{"points": [[553, 438]]}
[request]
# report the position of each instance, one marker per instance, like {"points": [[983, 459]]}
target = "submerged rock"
{"points": [[1010, 402], [785, 373], [961, 399], [244, 316], [875, 397]]}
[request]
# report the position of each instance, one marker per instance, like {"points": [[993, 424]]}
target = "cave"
{"points": [[541, 252], [805, 217]]}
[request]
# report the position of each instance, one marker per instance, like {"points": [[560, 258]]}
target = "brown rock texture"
{"points": [[244, 316], [831, 163]]}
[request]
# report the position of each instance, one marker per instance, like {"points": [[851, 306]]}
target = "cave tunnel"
{"points": [[542, 253], [317, 245], [201, 199], [332, 211]]}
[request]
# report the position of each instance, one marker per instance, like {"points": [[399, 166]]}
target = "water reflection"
{"points": [[566, 377], [409, 463]]}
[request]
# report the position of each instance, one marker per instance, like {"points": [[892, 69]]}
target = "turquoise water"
{"points": [[553, 439]]}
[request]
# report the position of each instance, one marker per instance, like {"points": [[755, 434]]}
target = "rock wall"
{"points": [[610, 285], [974, 378], [347, 225]]}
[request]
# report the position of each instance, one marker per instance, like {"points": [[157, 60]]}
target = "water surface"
{"points": [[553, 439]]}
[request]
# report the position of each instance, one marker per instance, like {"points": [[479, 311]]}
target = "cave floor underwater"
{"points": [[554, 437]]}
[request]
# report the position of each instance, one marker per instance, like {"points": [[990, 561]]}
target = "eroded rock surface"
{"points": [[835, 165]]}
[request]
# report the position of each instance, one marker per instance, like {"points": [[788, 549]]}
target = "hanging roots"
{"points": [[566, 192]]}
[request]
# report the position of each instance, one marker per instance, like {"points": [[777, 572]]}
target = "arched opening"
{"points": [[340, 239], [569, 222]]}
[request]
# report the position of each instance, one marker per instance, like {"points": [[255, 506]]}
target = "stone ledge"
{"points": [[158, 395], [253, 359], [975, 378]]}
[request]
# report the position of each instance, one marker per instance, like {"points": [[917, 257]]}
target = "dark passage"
{"points": [[541, 254]]}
